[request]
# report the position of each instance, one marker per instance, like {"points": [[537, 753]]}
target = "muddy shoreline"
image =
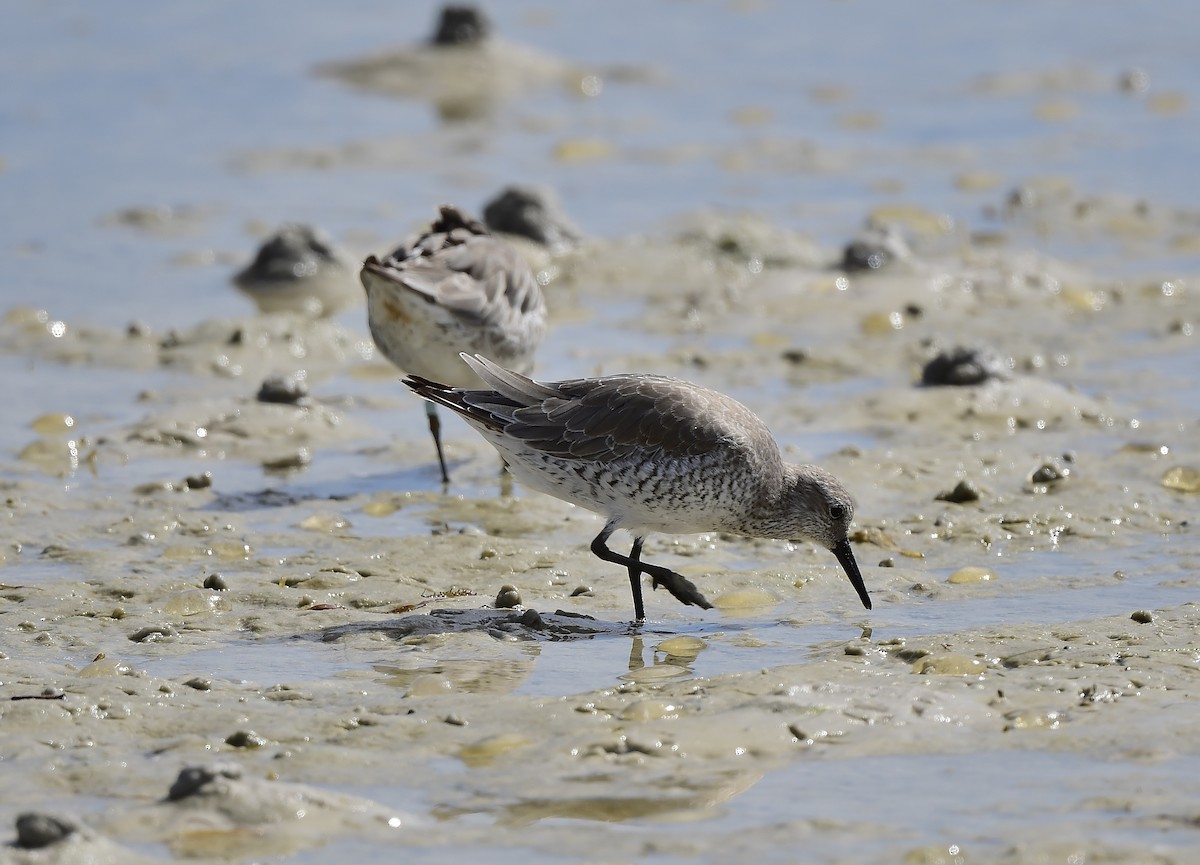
{"points": [[241, 620], [163, 540]]}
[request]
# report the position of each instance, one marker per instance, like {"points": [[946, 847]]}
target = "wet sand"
{"points": [[237, 630], [326, 631]]}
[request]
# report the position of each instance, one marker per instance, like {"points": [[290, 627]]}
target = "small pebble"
{"points": [[286, 389], [533, 620], [971, 574], [35, 831], [199, 683], [192, 778], [1185, 479], [681, 646], [216, 582], [299, 269], [963, 492], [507, 598], [963, 366], [246, 739], [152, 634], [198, 482], [297, 459], [581, 591], [1142, 617], [876, 247], [461, 25], [1050, 472]]}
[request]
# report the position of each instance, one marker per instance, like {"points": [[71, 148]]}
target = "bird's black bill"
{"points": [[845, 555]]}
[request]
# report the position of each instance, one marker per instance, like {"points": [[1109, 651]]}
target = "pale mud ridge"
{"points": [[309, 638]]}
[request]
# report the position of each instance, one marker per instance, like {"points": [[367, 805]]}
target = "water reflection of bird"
{"points": [[455, 288], [652, 453]]}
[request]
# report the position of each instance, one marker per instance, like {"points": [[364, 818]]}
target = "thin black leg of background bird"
{"points": [[506, 481], [435, 429], [678, 585]]}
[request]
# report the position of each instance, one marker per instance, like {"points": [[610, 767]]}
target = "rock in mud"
{"points": [[300, 269], [963, 492], [532, 212], [875, 248], [461, 25], [963, 366], [507, 598], [35, 831], [1185, 479], [286, 389]]}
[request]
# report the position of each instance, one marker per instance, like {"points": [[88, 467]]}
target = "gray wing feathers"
{"points": [[518, 388], [635, 417], [586, 418]]}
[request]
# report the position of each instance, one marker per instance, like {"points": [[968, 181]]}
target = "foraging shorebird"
{"points": [[652, 453], [455, 289]]}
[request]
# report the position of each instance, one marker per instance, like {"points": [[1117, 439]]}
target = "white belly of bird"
{"points": [[423, 342]]}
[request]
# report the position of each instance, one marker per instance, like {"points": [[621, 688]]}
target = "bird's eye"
{"points": [[837, 512]]}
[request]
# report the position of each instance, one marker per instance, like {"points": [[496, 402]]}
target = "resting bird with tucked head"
{"points": [[456, 288]]}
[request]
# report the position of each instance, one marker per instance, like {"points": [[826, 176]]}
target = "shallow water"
{"points": [[1032, 154]]}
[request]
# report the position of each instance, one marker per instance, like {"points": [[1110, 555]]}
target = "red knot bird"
{"points": [[652, 454], [456, 288]]}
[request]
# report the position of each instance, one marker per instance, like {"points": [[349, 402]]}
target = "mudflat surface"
{"points": [[234, 630]]}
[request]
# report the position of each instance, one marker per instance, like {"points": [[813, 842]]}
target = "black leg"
{"points": [[678, 585], [635, 578], [506, 480], [435, 429]]}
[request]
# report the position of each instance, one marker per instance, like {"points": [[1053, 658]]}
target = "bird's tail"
{"points": [[472, 405]]}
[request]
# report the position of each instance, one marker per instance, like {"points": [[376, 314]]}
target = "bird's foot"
{"points": [[681, 588]]}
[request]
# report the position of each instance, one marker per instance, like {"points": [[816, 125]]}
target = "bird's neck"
{"points": [[770, 514]]}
